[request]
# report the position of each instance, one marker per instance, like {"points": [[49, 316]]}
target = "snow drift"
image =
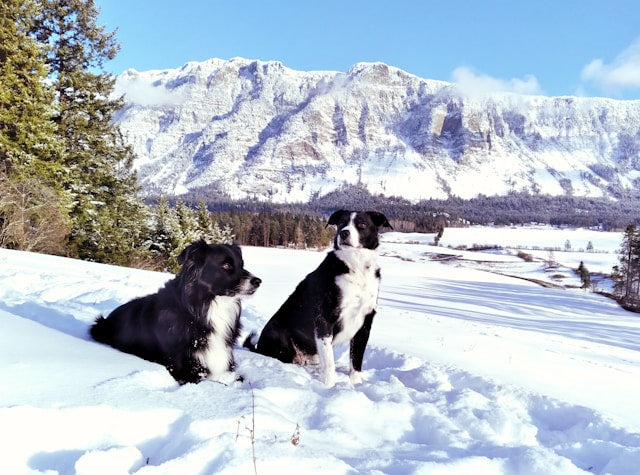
{"points": [[467, 371]]}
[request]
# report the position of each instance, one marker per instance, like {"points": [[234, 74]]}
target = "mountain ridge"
{"points": [[254, 129]]}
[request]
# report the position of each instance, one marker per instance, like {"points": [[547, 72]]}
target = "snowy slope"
{"points": [[259, 129], [466, 372]]}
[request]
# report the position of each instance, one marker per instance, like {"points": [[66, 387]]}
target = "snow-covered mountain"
{"points": [[258, 129]]}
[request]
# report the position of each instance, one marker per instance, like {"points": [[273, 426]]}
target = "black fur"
{"points": [[367, 223], [318, 309], [174, 327]]}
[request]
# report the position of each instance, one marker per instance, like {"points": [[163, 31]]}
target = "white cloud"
{"points": [[140, 91], [622, 73], [475, 84]]}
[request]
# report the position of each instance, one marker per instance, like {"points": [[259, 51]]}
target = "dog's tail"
{"points": [[249, 342], [101, 330]]}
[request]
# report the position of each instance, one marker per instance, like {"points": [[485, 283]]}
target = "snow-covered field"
{"points": [[468, 370]]}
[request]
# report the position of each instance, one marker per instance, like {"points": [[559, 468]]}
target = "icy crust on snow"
{"points": [[467, 371]]}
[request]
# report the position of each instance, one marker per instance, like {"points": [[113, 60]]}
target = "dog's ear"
{"points": [[235, 249], [334, 219], [191, 250], [379, 219]]}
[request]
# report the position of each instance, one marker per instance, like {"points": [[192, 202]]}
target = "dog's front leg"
{"points": [[357, 347], [327, 362]]}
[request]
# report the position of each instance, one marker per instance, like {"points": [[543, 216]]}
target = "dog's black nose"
{"points": [[344, 234], [256, 281]]}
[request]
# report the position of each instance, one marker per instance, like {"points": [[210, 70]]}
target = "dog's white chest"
{"points": [[359, 291], [223, 313]]}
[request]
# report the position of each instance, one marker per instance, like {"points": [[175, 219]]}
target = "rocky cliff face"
{"points": [[258, 129]]}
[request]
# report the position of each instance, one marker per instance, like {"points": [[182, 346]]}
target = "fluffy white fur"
{"points": [[217, 355]]}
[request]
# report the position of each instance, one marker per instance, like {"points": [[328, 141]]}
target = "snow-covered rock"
{"points": [[258, 129]]}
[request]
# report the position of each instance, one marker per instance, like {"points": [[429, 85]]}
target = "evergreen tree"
{"points": [[439, 234], [222, 235], [209, 230], [585, 277], [275, 231], [165, 235], [188, 225], [241, 227], [33, 204], [28, 143], [298, 234], [106, 212], [205, 225], [627, 274]]}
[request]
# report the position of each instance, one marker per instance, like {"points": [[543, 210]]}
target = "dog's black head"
{"points": [[216, 269], [357, 229]]}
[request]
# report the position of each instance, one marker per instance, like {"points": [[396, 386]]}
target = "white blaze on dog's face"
{"points": [[357, 229], [348, 235]]}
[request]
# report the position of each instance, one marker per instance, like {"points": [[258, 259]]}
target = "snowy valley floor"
{"points": [[467, 371]]}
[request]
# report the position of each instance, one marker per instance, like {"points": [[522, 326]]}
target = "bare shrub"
{"points": [[525, 257], [32, 217]]}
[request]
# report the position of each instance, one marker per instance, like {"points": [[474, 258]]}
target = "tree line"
{"points": [[428, 215], [272, 229], [172, 226]]}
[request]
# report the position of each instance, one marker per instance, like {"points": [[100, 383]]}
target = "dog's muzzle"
{"points": [[251, 285], [343, 237]]}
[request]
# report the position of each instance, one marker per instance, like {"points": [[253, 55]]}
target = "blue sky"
{"points": [[550, 47]]}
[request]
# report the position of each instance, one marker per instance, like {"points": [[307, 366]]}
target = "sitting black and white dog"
{"points": [[191, 324], [334, 304]]}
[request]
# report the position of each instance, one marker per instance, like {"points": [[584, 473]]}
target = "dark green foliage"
{"points": [[106, 215], [257, 223], [585, 276], [429, 215], [296, 230], [173, 229], [65, 171], [165, 236], [32, 200], [627, 275], [29, 146]]}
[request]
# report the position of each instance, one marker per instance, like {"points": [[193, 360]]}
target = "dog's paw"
{"points": [[355, 377], [328, 378]]}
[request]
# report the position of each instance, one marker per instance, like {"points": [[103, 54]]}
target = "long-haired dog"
{"points": [[334, 304], [191, 324]]}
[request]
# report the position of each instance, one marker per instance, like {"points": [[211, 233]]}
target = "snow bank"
{"points": [[466, 372]]}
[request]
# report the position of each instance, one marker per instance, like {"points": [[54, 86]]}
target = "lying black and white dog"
{"points": [[334, 304], [191, 324]]}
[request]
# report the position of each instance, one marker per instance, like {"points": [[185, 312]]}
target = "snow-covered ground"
{"points": [[468, 370]]}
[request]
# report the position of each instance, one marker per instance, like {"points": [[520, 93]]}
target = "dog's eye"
{"points": [[227, 266], [362, 225]]}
